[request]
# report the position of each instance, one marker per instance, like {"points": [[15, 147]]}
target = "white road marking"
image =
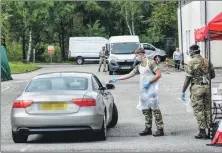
{"points": [[10, 88], [6, 88]]}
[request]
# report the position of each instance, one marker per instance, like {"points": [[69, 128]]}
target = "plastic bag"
{"points": [[189, 107]]}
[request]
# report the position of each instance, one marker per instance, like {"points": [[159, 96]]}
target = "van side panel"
{"points": [[86, 47]]}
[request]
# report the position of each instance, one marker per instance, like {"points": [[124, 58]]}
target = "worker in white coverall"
{"points": [[148, 99]]}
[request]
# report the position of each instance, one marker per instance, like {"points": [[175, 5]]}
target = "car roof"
{"points": [[65, 74]]}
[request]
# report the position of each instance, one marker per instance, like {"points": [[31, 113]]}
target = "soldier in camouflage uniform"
{"points": [[102, 60], [148, 107], [198, 74]]}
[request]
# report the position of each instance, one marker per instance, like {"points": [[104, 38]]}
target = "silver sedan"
{"points": [[64, 101]]}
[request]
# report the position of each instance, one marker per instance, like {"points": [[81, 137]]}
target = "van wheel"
{"points": [[110, 72], [79, 60], [114, 117], [19, 137]]}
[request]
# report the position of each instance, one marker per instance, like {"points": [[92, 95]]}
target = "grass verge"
{"points": [[19, 67]]}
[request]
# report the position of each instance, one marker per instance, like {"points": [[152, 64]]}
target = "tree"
{"points": [[96, 30], [162, 22], [37, 24], [130, 11]]}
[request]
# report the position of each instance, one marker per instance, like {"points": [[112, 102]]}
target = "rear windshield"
{"points": [[57, 83]]}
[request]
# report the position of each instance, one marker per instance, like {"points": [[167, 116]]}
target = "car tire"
{"points": [[19, 137], [114, 117], [79, 60], [110, 72], [101, 135]]}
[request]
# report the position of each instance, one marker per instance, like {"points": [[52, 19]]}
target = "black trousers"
{"points": [[177, 64]]}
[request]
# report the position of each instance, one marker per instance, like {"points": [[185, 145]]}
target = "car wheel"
{"points": [[79, 60], [110, 72], [101, 135], [19, 137], [114, 117]]}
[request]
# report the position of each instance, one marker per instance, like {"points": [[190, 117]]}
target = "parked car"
{"points": [[153, 52], [83, 49], [65, 101]]}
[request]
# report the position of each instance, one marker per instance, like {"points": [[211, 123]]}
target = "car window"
{"points": [[97, 80], [57, 83], [148, 47], [95, 84]]}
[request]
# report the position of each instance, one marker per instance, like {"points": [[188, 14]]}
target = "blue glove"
{"points": [[113, 80], [146, 85], [183, 96], [138, 59]]}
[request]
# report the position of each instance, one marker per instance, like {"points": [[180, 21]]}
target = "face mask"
{"points": [[191, 53], [138, 59]]}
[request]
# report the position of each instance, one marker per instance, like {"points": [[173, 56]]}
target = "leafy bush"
{"points": [[14, 51]]}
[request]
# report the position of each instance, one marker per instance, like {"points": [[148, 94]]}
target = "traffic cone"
{"points": [[217, 140]]}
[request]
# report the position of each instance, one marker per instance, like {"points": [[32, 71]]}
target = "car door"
{"points": [[107, 98], [149, 49], [100, 106]]}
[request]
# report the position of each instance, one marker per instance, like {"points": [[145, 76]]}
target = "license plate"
{"points": [[53, 106], [127, 67]]}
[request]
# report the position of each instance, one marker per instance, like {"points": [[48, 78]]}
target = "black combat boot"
{"points": [[202, 135], [147, 131], [159, 133]]}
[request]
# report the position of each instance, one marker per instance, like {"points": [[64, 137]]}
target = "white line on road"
{"points": [[6, 88], [10, 88]]}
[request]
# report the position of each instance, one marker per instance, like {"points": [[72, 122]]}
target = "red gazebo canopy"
{"points": [[216, 23], [200, 34], [215, 28]]}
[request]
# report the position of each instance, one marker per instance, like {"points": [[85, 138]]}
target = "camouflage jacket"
{"points": [[198, 70]]}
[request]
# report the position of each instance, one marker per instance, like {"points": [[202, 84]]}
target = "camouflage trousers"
{"points": [[102, 60], [200, 100], [149, 117]]}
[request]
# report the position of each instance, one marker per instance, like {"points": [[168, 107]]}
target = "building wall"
{"points": [[193, 17]]}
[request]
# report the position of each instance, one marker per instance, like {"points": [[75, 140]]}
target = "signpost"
{"points": [[51, 51]]}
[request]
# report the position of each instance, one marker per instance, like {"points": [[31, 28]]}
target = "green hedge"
{"points": [[14, 51]]}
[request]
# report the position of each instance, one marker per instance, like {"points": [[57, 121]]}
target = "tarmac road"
{"points": [[180, 126]]}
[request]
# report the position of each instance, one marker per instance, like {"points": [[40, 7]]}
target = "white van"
{"points": [[85, 48], [121, 52]]}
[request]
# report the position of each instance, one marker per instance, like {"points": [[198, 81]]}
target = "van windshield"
{"points": [[124, 48]]}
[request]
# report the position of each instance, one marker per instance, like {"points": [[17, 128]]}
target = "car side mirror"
{"points": [[110, 86], [102, 88]]}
